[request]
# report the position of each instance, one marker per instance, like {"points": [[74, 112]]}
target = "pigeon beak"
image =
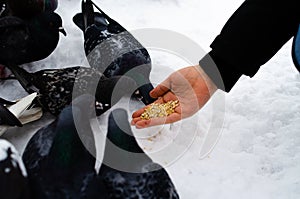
{"points": [[62, 30]]}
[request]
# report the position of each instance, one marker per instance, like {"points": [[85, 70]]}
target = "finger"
{"points": [[161, 89], [138, 112], [152, 122], [169, 96], [135, 120], [158, 121]]}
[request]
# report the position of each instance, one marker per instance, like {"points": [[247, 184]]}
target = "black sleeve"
{"points": [[252, 35]]}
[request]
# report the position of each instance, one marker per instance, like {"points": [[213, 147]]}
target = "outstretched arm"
{"points": [[252, 35]]}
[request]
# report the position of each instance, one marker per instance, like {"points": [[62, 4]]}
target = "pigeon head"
{"points": [[52, 21], [55, 22]]}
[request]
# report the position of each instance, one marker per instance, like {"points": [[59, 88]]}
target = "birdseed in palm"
{"points": [[159, 110]]}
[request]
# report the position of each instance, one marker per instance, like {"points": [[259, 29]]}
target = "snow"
{"points": [[258, 153]]}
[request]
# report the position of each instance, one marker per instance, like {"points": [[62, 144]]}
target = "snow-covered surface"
{"points": [[258, 154]]}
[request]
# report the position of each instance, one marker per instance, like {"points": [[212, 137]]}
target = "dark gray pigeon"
{"points": [[57, 87], [112, 50], [59, 165], [24, 41]]}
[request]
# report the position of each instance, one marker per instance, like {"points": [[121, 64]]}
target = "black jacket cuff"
{"points": [[222, 74]]}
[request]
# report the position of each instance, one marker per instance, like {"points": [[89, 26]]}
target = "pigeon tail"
{"points": [[4, 101], [88, 17], [23, 77], [8, 118], [88, 13]]}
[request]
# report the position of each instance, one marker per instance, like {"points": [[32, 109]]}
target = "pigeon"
{"points": [[24, 41], [6, 117], [30, 8], [60, 157], [126, 170], [57, 87], [13, 175], [112, 50]]}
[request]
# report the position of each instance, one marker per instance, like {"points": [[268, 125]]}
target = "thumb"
{"points": [[161, 89]]}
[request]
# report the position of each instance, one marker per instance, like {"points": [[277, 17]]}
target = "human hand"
{"points": [[190, 85]]}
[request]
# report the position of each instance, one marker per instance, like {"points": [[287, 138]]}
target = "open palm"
{"points": [[190, 85]]}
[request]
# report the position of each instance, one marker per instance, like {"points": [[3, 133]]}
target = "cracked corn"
{"points": [[159, 110]]}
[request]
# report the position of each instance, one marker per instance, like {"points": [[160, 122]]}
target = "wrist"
{"points": [[219, 71], [211, 86]]}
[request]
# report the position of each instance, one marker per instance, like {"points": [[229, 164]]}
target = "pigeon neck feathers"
{"points": [[120, 134], [122, 151], [69, 149]]}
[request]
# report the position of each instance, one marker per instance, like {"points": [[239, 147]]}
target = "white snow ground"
{"points": [[258, 154]]}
